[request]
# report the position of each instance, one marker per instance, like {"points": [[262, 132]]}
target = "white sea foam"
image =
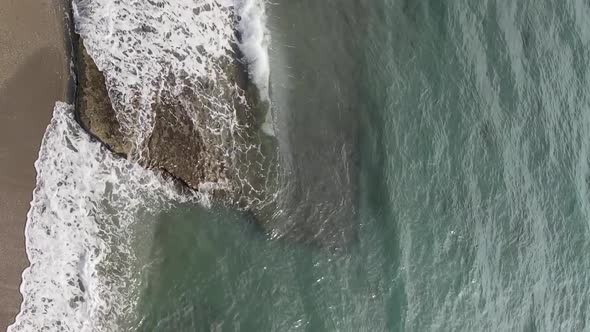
{"points": [[145, 47], [79, 232], [140, 46], [254, 44]]}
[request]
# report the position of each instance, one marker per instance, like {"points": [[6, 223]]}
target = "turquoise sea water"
{"points": [[450, 138]]}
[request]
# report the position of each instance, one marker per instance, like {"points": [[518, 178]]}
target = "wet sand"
{"points": [[33, 75]]}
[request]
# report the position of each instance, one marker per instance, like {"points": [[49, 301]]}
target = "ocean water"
{"points": [[436, 175]]}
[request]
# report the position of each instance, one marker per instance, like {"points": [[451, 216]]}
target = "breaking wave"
{"points": [[87, 207]]}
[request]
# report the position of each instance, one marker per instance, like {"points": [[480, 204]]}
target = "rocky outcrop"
{"points": [[238, 167], [232, 165], [202, 128]]}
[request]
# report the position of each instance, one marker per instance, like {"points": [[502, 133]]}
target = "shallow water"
{"points": [[436, 153]]}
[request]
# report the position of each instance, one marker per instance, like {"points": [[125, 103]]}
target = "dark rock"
{"points": [[177, 146], [93, 105], [230, 165]]}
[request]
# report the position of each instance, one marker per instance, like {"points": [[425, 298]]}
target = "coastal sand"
{"points": [[33, 75]]}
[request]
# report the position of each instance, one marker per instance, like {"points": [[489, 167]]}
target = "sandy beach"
{"points": [[33, 75]]}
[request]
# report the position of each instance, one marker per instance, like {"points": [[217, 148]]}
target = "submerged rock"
{"points": [[238, 167], [203, 130]]}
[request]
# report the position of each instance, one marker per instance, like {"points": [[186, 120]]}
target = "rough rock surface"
{"points": [[93, 106], [230, 165]]}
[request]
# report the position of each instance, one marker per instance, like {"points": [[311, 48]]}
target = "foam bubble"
{"points": [[80, 229]]}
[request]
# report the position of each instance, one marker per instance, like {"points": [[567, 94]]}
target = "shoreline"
{"points": [[34, 74]]}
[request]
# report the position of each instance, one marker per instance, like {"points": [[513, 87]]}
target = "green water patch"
{"points": [[214, 270]]}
